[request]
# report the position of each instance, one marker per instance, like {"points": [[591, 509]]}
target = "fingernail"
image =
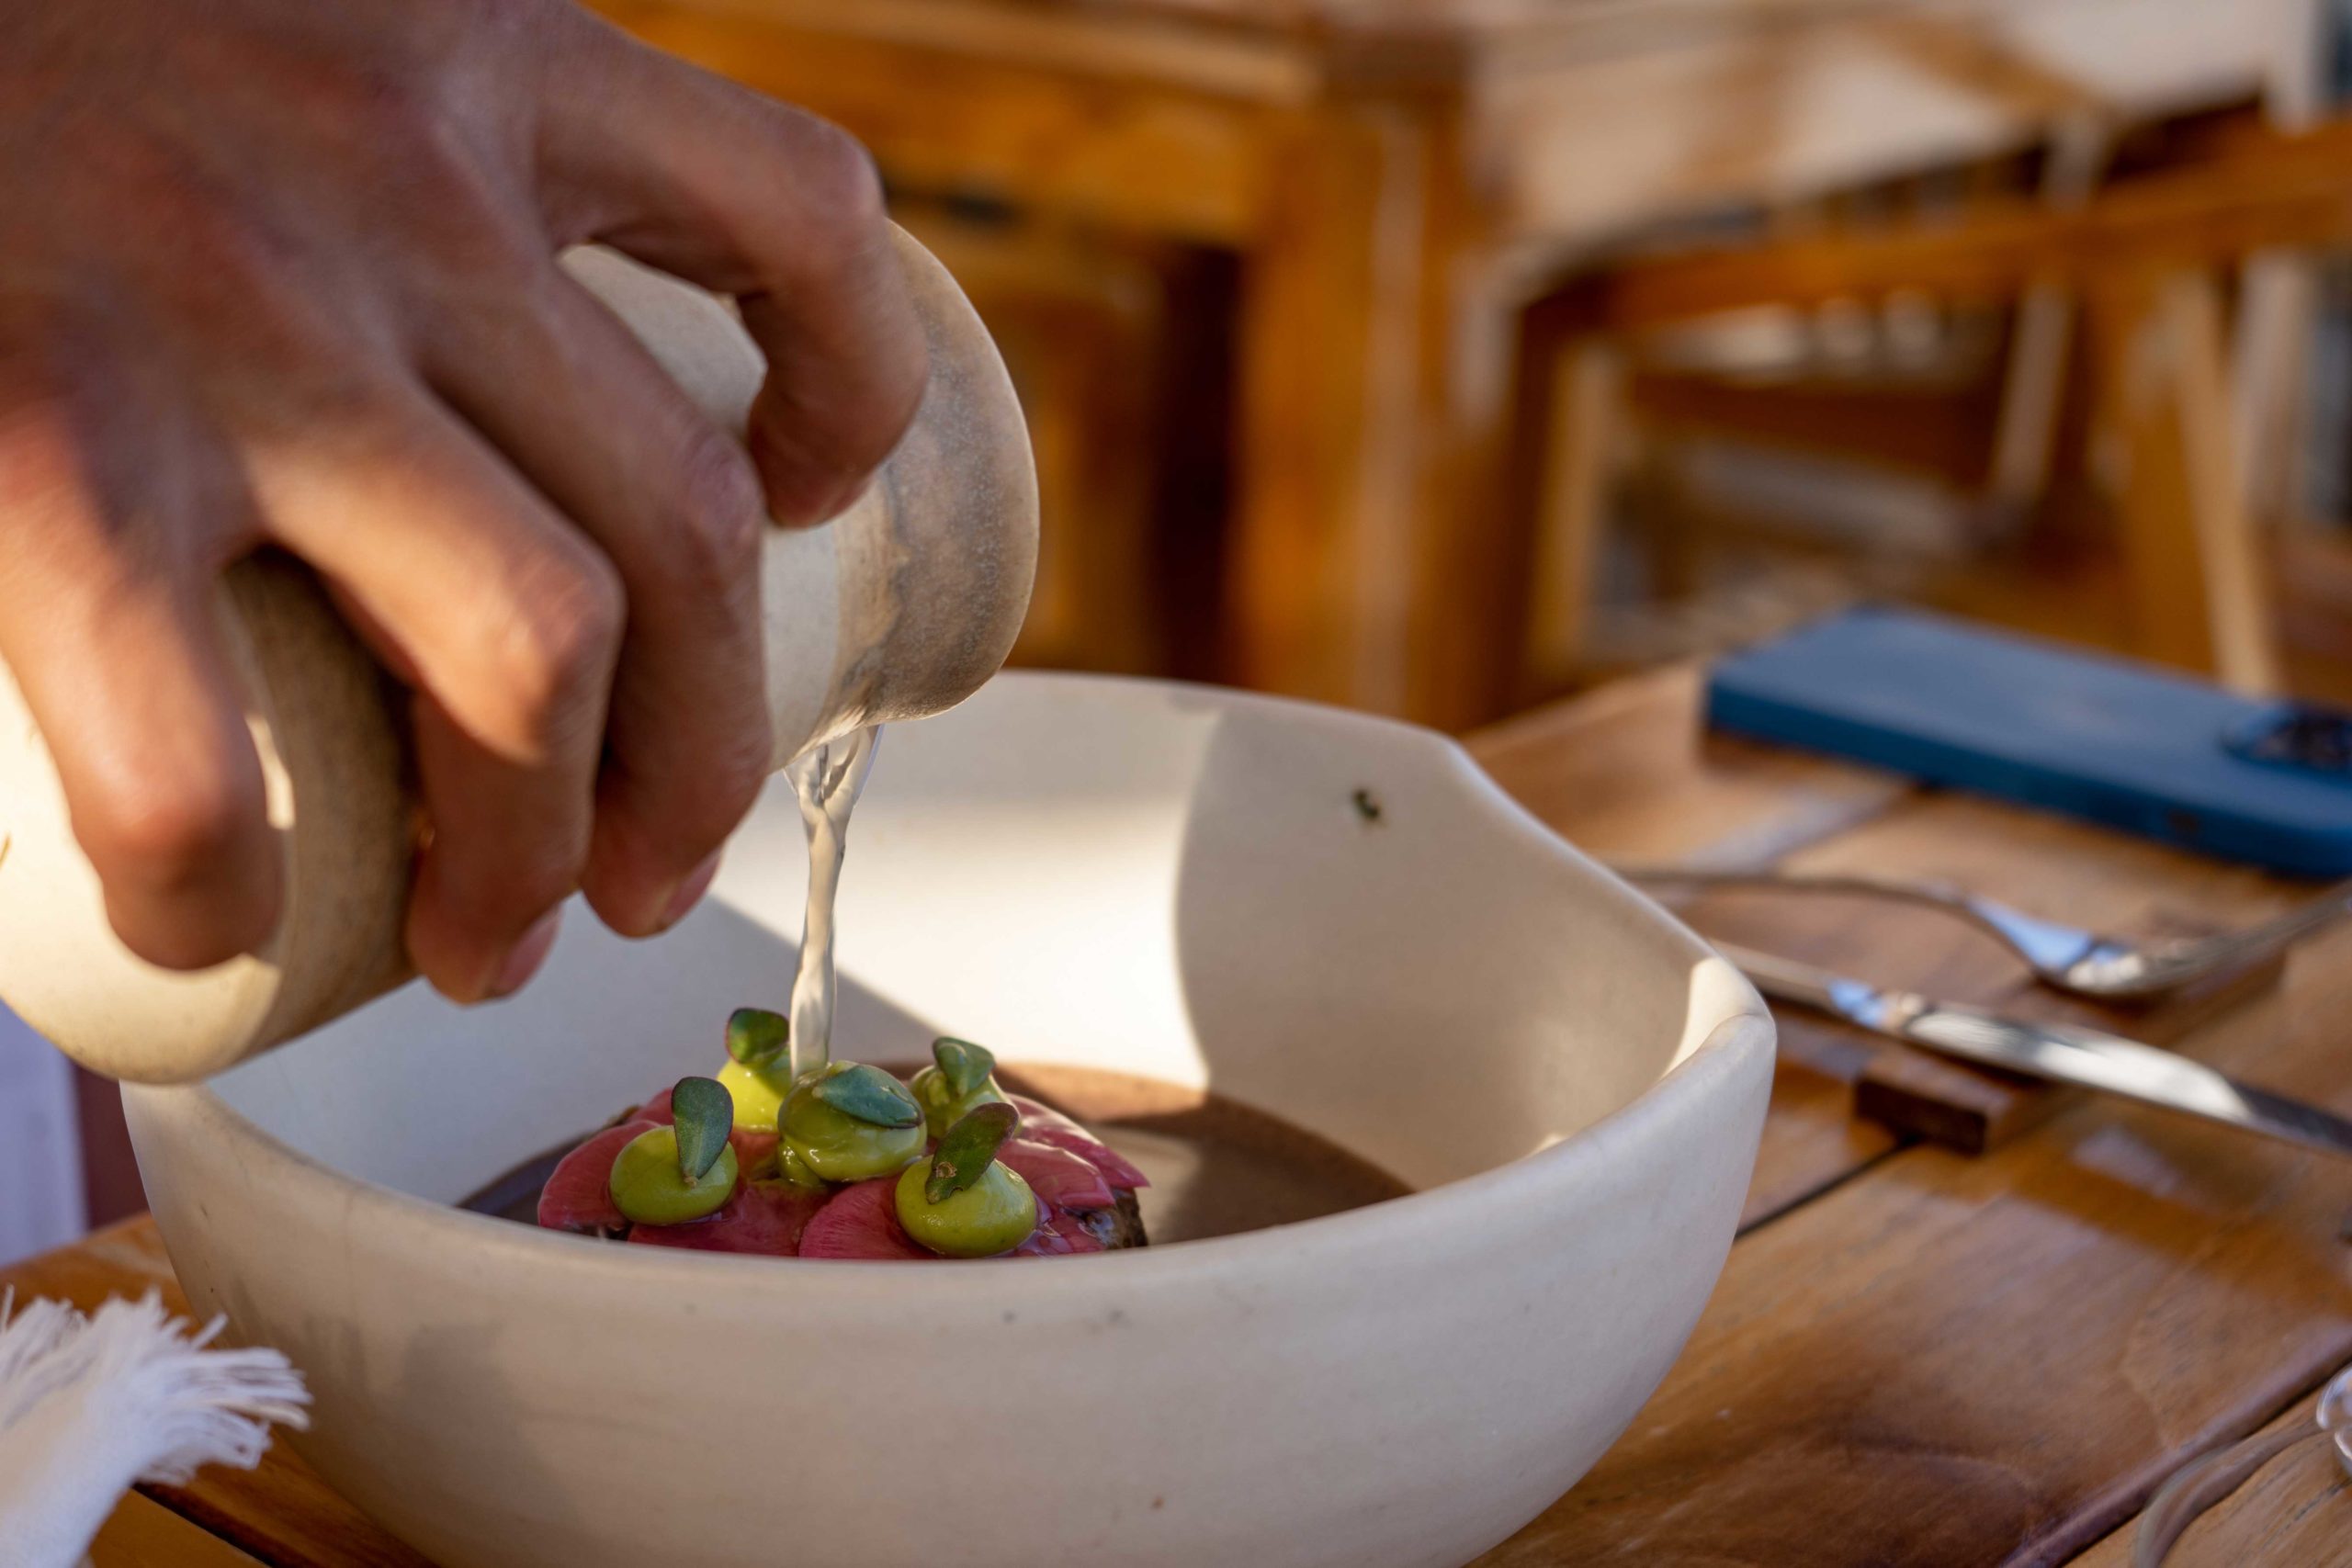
{"points": [[527, 956], [689, 892]]}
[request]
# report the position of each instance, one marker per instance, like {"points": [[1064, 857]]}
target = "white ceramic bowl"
{"points": [[1150, 878]]}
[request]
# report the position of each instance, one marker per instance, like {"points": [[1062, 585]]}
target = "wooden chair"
{"points": [[2149, 258], [1081, 320]]}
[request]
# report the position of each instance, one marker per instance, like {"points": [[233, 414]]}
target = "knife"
{"points": [[2059, 1052]]}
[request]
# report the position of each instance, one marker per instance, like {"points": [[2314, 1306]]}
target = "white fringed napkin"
{"points": [[91, 1406]]}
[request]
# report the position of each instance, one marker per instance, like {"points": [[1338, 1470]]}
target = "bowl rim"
{"points": [[1740, 1043]]}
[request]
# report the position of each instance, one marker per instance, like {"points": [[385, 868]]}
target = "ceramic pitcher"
{"points": [[899, 608]]}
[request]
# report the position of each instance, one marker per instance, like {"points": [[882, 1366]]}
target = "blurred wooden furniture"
{"points": [[1396, 177], [1915, 1356], [2149, 257], [1081, 322]]}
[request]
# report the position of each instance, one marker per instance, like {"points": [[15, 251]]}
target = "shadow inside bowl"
{"points": [[1375, 942], [1331, 920]]}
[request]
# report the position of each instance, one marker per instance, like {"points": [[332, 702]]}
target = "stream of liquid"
{"points": [[827, 780]]}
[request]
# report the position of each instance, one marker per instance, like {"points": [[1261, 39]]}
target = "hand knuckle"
{"points": [[472, 234], [439, 169], [737, 773], [729, 773], [504, 887], [212, 241], [168, 833], [841, 192], [559, 655], [521, 19], [229, 259], [388, 98], [720, 512], [545, 878]]}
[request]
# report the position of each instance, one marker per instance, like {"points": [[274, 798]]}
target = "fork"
{"points": [[2065, 957], [2200, 1485]]}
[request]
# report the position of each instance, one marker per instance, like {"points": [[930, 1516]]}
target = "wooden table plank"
{"points": [[1812, 1140], [142, 1533], [1626, 773], [1955, 1360], [2295, 1513], [2053, 865]]}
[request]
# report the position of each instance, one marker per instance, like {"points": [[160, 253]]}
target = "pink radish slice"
{"points": [[1061, 1179], [763, 1217], [751, 1148], [1042, 1124], [1080, 1238], [579, 1193], [860, 1221], [1044, 1242], [1059, 1236]]}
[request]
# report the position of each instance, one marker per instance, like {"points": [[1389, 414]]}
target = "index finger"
{"points": [[744, 196]]}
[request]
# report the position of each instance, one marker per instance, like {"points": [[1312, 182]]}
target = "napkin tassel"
{"points": [[91, 1406]]}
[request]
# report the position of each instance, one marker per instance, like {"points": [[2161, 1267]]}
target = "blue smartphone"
{"points": [[2108, 739]]}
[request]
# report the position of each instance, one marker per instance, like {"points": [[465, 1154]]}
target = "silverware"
{"points": [[2200, 1483], [2059, 1052], [2065, 957]]}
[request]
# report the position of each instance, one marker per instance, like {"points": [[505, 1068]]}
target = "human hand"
{"points": [[281, 274]]}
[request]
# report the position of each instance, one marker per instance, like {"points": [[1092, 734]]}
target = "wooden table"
{"points": [[1398, 176], [1915, 1357]]}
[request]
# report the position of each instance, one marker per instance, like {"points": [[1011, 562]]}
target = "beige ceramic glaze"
{"points": [[898, 608], [1150, 878]]}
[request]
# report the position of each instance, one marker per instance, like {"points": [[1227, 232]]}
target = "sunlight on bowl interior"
{"points": [[1070, 871]]}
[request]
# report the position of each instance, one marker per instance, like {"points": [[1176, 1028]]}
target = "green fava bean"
{"points": [[941, 1106], [790, 1166], [650, 1189], [758, 1093], [995, 1214], [838, 1147]]}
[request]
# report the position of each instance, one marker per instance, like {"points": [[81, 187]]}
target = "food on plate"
{"points": [[848, 1162]]}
